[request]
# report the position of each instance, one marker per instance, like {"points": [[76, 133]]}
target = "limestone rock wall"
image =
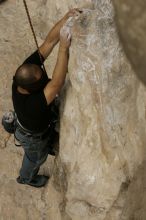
{"points": [[103, 117], [131, 22], [102, 131]]}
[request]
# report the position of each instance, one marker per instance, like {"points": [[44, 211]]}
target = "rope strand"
{"points": [[33, 32]]}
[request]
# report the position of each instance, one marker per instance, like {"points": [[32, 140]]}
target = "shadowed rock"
{"points": [[131, 22]]}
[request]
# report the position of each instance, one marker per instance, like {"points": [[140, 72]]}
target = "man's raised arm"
{"points": [[54, 34], [59, 74]]}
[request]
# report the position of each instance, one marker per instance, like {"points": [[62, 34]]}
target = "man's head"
{"points": [[30, 77]]}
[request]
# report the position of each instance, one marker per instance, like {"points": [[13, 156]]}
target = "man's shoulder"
{"points": [[34, 58]]}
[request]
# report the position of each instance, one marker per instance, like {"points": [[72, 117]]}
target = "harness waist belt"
{"points": [[28, 132]]}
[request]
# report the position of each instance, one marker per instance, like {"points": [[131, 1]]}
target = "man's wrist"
{"points": [[64, 20], [63, 49], [65, 17]]}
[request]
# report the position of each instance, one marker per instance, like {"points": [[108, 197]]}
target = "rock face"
{"points": [[102, 119], [131, 20], [102, 130]]}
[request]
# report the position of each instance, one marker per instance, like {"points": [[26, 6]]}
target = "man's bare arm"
{"points": [[53, 36], [59, 74]]}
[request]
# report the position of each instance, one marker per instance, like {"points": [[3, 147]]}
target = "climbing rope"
{"points": [[33, 32]]}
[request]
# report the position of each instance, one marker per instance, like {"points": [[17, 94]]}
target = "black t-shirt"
{"points": [[32, 109]]}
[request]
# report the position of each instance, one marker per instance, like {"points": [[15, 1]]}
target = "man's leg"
{"points": [[36, 152], [30, 167], [54, 143]]}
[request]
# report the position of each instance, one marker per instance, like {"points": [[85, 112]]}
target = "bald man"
{"points": [[33, 95]]}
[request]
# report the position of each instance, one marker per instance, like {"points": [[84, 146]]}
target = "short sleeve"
{"points": [[34, 59]]}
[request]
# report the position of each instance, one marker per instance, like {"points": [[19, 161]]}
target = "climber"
{"points": [[34, 97]]}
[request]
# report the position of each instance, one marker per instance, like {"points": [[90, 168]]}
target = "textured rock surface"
{"points": [[106, 135], [131, 20], [102, 141]]}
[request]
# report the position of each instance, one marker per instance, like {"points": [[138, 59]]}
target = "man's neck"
{"points": [[22, 91]]}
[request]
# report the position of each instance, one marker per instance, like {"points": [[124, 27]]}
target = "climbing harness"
{"points": [[33, 32]]}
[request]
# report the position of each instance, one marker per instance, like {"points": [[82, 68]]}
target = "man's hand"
{"points": [[54, 35], [72, 13], [59, 74], [65, 37]]}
